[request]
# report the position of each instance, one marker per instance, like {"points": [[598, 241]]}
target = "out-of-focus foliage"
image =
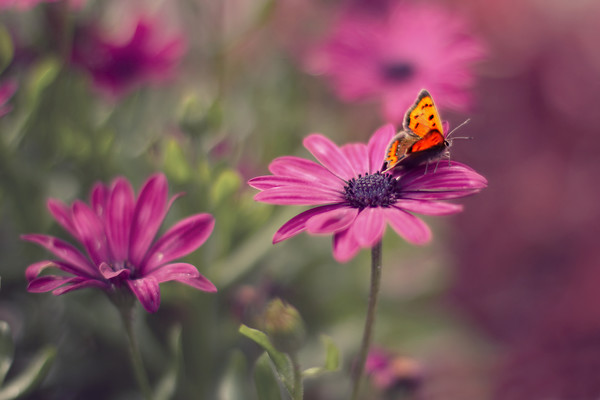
{"points": [[474, 307]]}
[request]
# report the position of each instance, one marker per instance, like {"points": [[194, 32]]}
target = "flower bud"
{"points": [[284, 326]]}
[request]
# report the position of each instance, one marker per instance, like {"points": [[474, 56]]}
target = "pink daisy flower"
{"points": [[117, 231], [118, 65], [354, 200], [387, 56]]}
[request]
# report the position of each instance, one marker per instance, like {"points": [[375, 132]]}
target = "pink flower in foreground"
{"points": [[117, 231], [119, 65], [387, 56], [354, 199]]}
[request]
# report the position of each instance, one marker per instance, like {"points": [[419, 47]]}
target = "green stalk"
{"points": [[134, 353], [370, 319], [298, 389]]}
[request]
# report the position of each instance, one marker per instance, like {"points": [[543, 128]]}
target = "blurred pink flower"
{"points": [[118, 66], [7, 90], [388, 371], [117, 231], [388, 56], [354, 199]]}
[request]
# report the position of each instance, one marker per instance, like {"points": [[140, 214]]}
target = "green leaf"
{"points": [[175, 163], [7, 350], [168, 384], [281, 361], [226, 184], [234, 384], [6, 48], [40, 77], [265, 380], [31, 377], [332, 359]]}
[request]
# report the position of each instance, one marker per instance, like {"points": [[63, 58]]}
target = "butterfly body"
{"points": [[422, 138]]}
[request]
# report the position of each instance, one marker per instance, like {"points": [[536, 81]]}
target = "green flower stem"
{"points": [[370, 319], [134, 353], [298, 388]]}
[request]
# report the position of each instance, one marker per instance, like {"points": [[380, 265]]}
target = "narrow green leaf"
{"points": [[226, 184], [31, 377], [7, 350], [234, 384], [175, 163], [167, 386], [332, 359], [6, 48], [265, 380], [281, 361]]}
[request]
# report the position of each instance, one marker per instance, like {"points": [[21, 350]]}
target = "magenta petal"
{"points": [[330, 156], [369, 226], [302, 168], [108, 273], [428, 207], [331, 221], [62, 214], [358, 156], [149, 213], [98, 199], [34, 269], [91, 232], [298, 224], [378, 145], [147, 292], [184, 273], [183, 238], [65, 252], [411, 228], [79, 283], [119, 215], [303, 196], [273, 181], [345, 246], [46, 283]]}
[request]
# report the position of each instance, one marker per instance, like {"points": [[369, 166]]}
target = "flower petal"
{"points": [[298, 224], [66, 252], [304, 196], [47, 283], [184, 273], [428, 207], [450, 181], [345, 246], [119, 214], [358, 156], [150, 210], [80, 283], [98, 199], [330, 156], [411, 228], [36, 268], [273, 181], [91, 233], [331, 221], [62, 215], [183, 238], [378, 145], [108, 273], [368, 227], [304, 169], [147, 292]]}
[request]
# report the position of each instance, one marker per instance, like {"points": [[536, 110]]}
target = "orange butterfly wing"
{"points": [[423, 116], [398, 148], [432, 139]]}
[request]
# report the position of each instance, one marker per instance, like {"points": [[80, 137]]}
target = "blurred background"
{"points": [[502, 304]]}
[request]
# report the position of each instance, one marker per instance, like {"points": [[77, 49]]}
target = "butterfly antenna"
{"points": [[452, 131]]}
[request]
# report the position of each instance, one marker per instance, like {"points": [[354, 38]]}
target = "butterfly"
{"points": [[422, 138]]}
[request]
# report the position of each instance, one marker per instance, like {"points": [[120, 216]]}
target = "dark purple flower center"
{"points": [[371, 190], [397, 71]]}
